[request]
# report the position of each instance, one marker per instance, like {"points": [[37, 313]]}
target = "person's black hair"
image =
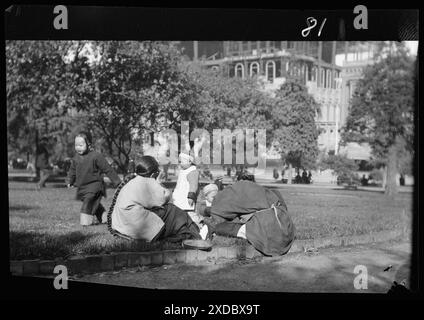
{"points": [[147, 167], [87, 138], [44, 139], [244, 175]]}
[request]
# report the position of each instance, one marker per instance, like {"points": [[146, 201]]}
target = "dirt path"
{"points": [[329, 270]]}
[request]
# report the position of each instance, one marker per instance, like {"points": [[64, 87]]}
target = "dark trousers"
{"points": [[223, 227], [44, 175], [227, 229], [91, 205], [178, 224]]}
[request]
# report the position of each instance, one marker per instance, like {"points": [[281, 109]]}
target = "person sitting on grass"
{"points": [[205, 199], [141, 210], [250, 211], [85, 173]]}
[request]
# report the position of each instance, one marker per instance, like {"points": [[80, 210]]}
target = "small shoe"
{"points": [[104, 218], [86, 219]]}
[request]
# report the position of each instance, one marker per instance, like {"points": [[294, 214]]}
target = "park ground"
{"points": [[330, 270], [45, 224]]}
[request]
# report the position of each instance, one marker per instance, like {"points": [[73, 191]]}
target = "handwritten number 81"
{"points": [[312, 23]]}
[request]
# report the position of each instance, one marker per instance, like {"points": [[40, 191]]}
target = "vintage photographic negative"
{"points": [[186, 164]]}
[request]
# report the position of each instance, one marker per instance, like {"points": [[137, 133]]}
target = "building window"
{"points": [[335, 77], [239, 70], [328, 79], [322, 78], [234, 46], [270, 71], [290, 44], [244, 45], [313, 75], [254, 69]]}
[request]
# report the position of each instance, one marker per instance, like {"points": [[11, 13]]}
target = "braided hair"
{"points": [[147, 167]]}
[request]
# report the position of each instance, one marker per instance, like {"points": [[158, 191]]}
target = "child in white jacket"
{"points": [[186, 190]]}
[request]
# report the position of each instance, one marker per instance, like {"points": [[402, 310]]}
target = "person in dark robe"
{"points": [[248, 210], [304, 177], [86, 173], [42, 163], [298, 178]]}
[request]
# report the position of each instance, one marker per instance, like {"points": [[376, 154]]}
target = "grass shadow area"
{"points": [[358, 190], [45, 224], [22, 207], [36, 245]]}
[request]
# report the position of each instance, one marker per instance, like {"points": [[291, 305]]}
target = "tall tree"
{"points": [[230, 103], [39, 82], [134, 88], [294, 127], [382, 111], [36, 86]]}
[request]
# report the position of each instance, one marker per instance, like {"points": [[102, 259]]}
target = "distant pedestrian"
{"points": [[86, 173], [309, 177], [402, 180], [364, 180], [275, 173], [304, 177], [298, 178], [42, 163]]}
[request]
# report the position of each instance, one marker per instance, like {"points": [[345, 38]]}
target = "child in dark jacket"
{"points": [[86, 173]]}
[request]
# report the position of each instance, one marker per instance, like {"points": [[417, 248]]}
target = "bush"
{"points": [[341, 165]]}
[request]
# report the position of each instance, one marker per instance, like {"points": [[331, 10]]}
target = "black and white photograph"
{"points": [[268, 164]]}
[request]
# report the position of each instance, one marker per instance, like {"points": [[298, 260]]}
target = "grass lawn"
{"points": [[45, 224]]}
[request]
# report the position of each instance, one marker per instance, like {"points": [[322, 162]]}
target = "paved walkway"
{"points": [[266, 182], [330, 270]]}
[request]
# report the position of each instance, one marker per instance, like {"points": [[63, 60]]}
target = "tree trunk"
{"points": [[391, 172], [290, 174], [384, 176], [37, 171]]}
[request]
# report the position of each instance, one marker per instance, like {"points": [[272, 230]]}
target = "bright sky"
{"points": [[412, 45]]}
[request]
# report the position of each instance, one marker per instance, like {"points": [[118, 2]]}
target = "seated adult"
{"points": [[140, 209], [248, 210]]}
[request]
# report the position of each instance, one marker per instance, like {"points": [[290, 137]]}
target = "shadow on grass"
{"points": [[358, 190], [41, 245], [22, 207], [34, 179], [34, 245]]}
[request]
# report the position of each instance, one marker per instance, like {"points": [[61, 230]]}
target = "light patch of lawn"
{"points": [[45, 224]]}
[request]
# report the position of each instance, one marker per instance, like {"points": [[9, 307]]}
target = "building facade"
{"points": [[329, 69], [274, 61]]}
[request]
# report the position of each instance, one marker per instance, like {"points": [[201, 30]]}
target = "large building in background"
{"points": [[329, 69], [274, 61]]}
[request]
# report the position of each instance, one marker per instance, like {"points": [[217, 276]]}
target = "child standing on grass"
{"points": [[86, 173], [186, 190]]}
